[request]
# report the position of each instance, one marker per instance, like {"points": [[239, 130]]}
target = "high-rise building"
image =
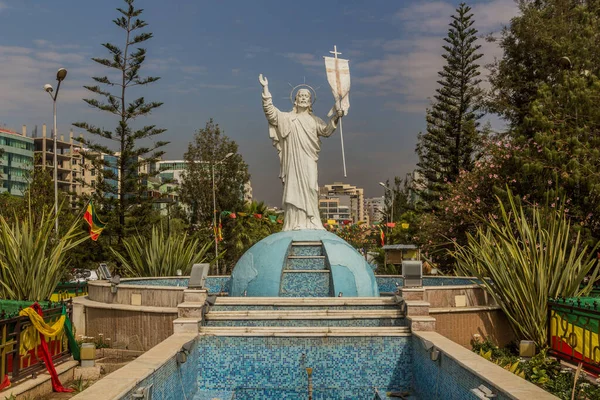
{"points": [[343, 197], [375, 208], [70, 163], [16, 161], [331, 209]]}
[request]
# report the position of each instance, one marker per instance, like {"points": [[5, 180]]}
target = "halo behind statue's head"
{"points": [[295, 90]]}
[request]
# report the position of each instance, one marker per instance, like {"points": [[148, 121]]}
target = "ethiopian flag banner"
{"points": [[91, 217]]}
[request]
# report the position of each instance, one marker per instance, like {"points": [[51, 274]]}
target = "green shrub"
{"points": [[527, 260], [160, 255], [32, 258]]}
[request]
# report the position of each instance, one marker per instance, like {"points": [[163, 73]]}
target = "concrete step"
{"points": [[417, 308], [190, 310], [305, 331], [305, 301], [306, 250], [302, 314], [186, 325], [305, 263], [305, 271], [294, 323], [221, 307], [306, 257]]}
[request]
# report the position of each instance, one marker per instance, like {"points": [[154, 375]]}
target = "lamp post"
{"points": [[392, 211], [61, 74], [215, 209]]}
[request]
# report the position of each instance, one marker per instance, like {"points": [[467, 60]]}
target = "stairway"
{"points": [[306, 272], [277, 315]]}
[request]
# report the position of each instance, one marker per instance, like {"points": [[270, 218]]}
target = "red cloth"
{"points": [[56, 385], [5, 383]]}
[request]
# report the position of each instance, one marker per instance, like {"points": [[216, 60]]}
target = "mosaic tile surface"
{"points": [[306, 250], [311, 322], [216, 284], [388, 284], [304, 284], [340, 364], [172, 382], [443, 379], [218, 307], [179, 282], [305, 263]]}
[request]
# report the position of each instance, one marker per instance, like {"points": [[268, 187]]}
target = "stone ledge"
{"points": [[305, 331], [443, 310], [85, 301], [305, 301], [421, 323], [41, 385], [184, 325], [117, 384], [302, 314], [516, 388]]}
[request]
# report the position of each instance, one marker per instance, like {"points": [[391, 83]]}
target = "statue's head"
{"points": [[303, 99]]}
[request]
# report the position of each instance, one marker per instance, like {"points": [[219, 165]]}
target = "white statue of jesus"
{"points": [[295, 134]]}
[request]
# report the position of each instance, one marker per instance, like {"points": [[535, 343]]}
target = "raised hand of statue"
{"points": [[263, 80], [265, 84]]}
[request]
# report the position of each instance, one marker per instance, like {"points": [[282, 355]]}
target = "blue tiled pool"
{"points": [[275, 367]]}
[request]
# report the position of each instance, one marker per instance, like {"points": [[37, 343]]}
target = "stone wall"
{"points": [[135, 329], [460, 324], [137, 295]]}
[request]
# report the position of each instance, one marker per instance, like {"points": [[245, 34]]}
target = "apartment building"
{"points": [[347, 199], [16, 161], [70, 163]]}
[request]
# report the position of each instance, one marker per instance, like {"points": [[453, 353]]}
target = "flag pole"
{"points": [[342, 139], [339, 101]]}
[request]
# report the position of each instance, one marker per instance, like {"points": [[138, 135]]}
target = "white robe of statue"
{"points": [[296, 134]]}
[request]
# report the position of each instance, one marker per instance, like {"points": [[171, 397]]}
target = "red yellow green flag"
{"points": [[96, 225], [382, 236]]}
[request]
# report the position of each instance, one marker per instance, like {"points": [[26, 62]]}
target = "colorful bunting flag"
{"points": [[96, 225], [382, 236], [405, 226]]}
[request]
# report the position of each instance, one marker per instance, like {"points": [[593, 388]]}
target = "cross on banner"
{"points": [[335, 52]]}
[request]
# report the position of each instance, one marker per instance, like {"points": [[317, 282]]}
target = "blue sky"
{"points": [[209, 55]]}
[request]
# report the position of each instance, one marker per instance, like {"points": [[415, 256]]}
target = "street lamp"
{"points": [[61, 74], [387, 188], [215, 209]]}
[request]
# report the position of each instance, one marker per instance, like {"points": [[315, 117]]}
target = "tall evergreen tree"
{"points": [[208, 154], [122, 178], [450, 142], [536, 46]]}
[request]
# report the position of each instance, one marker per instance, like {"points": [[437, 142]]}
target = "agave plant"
{"points": [[160, 255], [32, 259], [527, 260]]}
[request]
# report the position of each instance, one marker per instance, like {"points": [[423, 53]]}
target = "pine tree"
{"points": [[123, 178], [535, 47], [449, 145]]}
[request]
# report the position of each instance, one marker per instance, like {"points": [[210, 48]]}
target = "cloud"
{"points": [[3, 6], [193, 69], [51, 46], [253, 50], [494, 15], [430, 17], [434, 17], [306, 59], [25, 71], [407, 72]]}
